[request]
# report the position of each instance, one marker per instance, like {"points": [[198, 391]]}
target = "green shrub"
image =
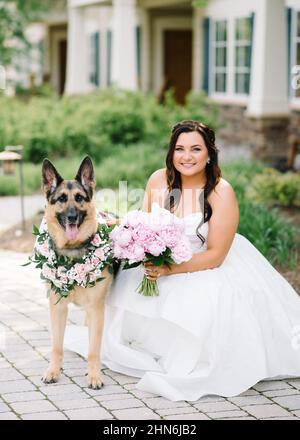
{"points": [[273, 237], [8, 186], [133, 164], [94, 124], [276, 189]]}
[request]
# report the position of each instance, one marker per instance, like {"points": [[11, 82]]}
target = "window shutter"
{"points": [[206, 49], [109, 55], [138, 53], [95, 49], [97, 59], [289, 12]]}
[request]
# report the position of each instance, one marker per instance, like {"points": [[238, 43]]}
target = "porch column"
{"points": [[76, 61], [268, 108], [269, 72], [124, 47]]}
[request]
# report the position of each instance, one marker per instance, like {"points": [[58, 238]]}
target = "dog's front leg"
{"points": [[58, 318], [95, 321]]}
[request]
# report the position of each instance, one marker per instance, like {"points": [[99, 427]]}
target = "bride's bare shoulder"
{"points": [[158, 179], [223, 190], [155, 189]]}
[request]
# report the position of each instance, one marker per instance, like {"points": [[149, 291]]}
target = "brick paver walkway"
{"points": [[25, 348]]}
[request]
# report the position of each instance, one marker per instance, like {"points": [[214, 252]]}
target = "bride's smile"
{"points": [[191, 155]]}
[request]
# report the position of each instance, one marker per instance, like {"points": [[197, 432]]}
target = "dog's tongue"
{"points": [[71, 231]]}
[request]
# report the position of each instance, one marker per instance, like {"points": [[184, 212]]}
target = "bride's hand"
{"points": [[153, 272]]}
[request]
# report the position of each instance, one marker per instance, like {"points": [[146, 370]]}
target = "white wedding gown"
{"points": [[216, 331]]}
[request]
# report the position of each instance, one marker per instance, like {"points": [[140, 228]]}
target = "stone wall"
{"points": [[294, 128], [267, 138]]}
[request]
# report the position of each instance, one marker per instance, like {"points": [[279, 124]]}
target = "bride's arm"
{"points": [[222, 228]]}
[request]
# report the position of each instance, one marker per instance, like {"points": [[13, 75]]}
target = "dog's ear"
{"points": [[51, 178], [85, 175]]}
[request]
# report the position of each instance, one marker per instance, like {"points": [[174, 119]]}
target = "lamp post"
{"points": [[8, 157]]}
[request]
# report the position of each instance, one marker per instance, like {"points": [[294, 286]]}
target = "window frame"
{"points": [[230, 95], [214, 69], [241, 69]]}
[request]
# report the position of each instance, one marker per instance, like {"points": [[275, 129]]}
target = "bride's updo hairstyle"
{"points": [[212, 170]]}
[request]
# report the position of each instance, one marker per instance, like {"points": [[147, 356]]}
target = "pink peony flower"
{"points": [[43, 248], [136, 253], [124, 237], [182, 251], [96, 240], [48, 272], [156, 248], [95, 261], [99, 253]]}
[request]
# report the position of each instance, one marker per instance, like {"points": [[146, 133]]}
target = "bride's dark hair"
{"points": [[212, 170]]}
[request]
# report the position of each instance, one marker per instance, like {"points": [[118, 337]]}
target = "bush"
{"points": [[133, 164], [94, 124], [8, 186], [272, 236], [276, 189]]}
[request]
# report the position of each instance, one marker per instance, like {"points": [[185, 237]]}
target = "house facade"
{"points": [[243, 54]]}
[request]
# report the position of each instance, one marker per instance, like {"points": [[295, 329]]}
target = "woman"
{"points": [[224, 320]]}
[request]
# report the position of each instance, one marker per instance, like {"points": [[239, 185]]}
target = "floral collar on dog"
{"points": [[64, 273]]}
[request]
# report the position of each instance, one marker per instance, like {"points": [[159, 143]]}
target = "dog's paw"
{"points": [[95, 381], [51, 375]]}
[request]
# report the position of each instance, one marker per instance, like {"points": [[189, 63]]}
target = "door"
{"points": [[178, 61]]}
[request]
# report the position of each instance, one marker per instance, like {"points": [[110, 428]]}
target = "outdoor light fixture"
{"points": [[8, 157]]}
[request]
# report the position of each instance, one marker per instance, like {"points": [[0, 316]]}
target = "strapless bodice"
{"points": [[191, 223]]}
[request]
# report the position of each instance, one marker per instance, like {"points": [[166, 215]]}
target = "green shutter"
{"points": [[289, 12], [206, 49], [138, 53], [97, 59], [109, 56], [95, 56]]}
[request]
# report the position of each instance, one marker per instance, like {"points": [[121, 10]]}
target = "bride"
{"points": [[225, 319]]}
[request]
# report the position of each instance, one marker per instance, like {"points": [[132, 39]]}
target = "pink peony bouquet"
{"points": [[158, 237]]}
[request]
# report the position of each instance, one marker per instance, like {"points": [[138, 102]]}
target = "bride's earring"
{"points": [[208, 161]]}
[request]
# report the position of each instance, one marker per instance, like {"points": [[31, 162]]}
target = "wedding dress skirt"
{"points": [[216, 331]]}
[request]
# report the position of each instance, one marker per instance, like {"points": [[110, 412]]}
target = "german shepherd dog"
{"points": [[71, 221]]}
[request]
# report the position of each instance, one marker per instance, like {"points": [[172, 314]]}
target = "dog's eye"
{"points": [[78, 198], [63, 198]]}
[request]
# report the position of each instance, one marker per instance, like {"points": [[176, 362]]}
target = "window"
{"points": [[242, 55], [219, 67], [229, 46]]}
